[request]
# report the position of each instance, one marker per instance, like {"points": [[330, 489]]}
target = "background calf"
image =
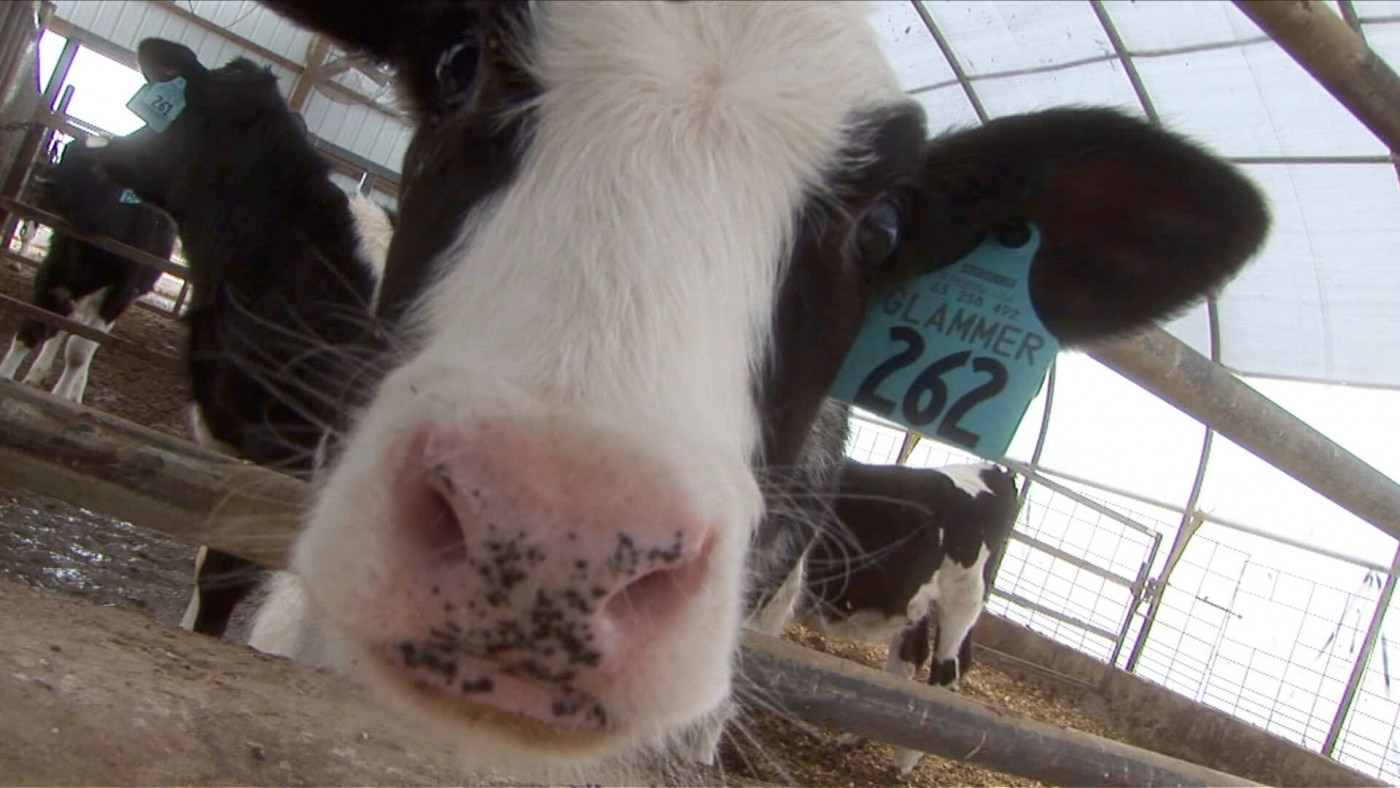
{"points": [[914, 552], [77, 280]]}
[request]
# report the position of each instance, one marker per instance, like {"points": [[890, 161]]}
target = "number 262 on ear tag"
{"points": [[957, 354]]}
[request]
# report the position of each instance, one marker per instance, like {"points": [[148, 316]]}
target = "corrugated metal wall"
{"points": [[362, 130]]}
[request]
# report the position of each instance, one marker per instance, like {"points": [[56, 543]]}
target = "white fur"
{"points": [[77, 362], [702, 743], [14, 358], [191, 616], [375, 231], [957, 592], [959, 597], [27, 230], [623, 286], [42, 365], [78, 353], [200, 433], [287, 626], [968, 478], [77, 359]]}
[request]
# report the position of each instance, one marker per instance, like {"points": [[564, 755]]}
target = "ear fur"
{"points": [[1137, 223], [162, 60]]}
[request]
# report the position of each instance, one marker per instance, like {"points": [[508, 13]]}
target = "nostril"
{"points": [[647, 597], [434, 525]]}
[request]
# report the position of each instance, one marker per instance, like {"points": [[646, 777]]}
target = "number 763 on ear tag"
{"points": [[957, 354]]}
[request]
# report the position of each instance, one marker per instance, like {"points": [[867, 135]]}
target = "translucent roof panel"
{"points": [[906, 42], [1103, 83], [947, 108], [1146, 27], [1252, 100], [1322, 300], [1100, 419], [991, 38]]}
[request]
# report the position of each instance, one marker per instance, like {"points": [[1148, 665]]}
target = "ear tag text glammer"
{"points": [[957, 354]]}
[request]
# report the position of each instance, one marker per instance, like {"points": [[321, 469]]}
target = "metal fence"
{"points": [[1271, 647], [1177, 597]]}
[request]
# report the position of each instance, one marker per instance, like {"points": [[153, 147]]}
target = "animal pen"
{"points": [[1273, 627]]}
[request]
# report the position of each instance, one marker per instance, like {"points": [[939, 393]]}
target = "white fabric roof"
{"points": [[1320, 302]]}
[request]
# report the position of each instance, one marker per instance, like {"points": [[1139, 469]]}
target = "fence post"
{"points": [[19, 94], [1188, 530], [1368, 647]]}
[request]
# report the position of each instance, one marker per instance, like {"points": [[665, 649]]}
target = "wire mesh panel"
{"points": [[1075, 557], [1054, 529], [1267, 646], [1370, 737], [873, 442]]}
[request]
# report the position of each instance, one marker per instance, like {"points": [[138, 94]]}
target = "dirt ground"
{"points": [[46, 543]]}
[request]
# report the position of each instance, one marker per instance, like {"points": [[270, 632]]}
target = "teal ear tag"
{"points": [[129, 197], [159, 103], [957, 354]]}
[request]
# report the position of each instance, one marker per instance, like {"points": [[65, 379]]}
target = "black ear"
{"points": [[375, 28], [162, 61], [1136, 222]]}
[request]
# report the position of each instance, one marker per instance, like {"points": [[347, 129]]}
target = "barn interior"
{"points": [[1199, 588]]}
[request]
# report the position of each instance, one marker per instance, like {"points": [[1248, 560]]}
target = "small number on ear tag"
{"points": [[159, 103], [129, 197], [957, 354]]}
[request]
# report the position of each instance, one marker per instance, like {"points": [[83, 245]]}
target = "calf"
{"points": [[28, 229], [281, 276], [914, 552], [80, 281], [636, 240]]}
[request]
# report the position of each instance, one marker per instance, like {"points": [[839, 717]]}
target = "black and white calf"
{"points": [[914, 554], [282, 277], [635, 242], [80, 281]]}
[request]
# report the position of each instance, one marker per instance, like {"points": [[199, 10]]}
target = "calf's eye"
{"points": [[878, 234], [457, 68]]}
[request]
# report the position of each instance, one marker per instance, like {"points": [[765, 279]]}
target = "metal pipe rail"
{"points": [[140, 303], [106, 340], [159, 482], [101, 241], [1206, 391], [1337, 57]]}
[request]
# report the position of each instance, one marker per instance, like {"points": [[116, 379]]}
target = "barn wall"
{"points": [[1164, 720]]}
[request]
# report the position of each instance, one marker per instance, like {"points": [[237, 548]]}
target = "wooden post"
{"points": [[106, 340], [19, 95], [1338, 59], [110, 465], [316, 50], [101, 241]]}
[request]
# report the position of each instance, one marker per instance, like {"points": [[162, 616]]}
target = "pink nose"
{"points": [[545, 566]]}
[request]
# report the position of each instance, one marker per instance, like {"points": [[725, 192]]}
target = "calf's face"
{"points": [[231, 126], [636, 241]]}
